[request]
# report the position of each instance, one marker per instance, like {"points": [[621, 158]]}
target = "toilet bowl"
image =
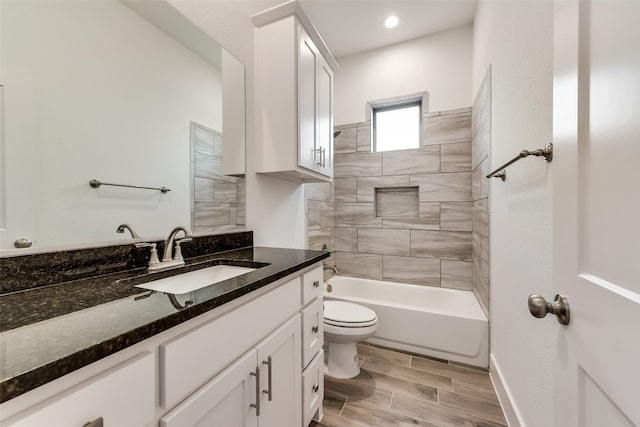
{"points": [[345, 324]]}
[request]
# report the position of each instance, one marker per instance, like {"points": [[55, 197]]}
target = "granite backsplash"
{"points": [[23, 272]]}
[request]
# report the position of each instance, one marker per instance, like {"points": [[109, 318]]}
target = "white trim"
{"points": [[511, 413], [293, 8]]}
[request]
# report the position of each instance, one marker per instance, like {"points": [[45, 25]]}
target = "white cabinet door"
{"points": [[224, 401], [307, 59], [279, 359], [324, 117]]}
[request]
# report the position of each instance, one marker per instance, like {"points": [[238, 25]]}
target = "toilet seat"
{"points": [[348, 315]]}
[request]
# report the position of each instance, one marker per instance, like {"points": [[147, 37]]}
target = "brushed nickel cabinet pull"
{"points": [[269, 390], [257, 404]]}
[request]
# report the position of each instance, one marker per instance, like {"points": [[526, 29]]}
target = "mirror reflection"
{"points": [[95, 90]]}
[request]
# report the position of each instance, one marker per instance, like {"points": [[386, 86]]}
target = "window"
{"points": [[397, 127]]}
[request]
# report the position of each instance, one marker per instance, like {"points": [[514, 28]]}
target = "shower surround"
{"points": [[400, 216]]}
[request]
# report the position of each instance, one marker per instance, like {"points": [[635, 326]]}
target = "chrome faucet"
{"points": [[171, 258], [129, 227]]}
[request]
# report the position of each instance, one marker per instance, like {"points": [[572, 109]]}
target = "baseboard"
{"points": [[504, 395]]}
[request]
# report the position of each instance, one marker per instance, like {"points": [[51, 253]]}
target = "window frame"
{"points": [[420, 99]]}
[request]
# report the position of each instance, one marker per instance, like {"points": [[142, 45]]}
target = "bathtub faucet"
{"points": [[331, 267]]}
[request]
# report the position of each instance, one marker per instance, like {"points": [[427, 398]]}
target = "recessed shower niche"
{"points": [[397, 202]]}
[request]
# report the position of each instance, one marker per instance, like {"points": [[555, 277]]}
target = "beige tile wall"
{"points": [[480, 149], [217, 200], [431, 246]]}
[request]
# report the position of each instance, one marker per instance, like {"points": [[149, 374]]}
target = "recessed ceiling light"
{"points": [[391, 21]]}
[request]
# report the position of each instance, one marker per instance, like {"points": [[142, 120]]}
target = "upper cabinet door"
{"points": [[324, 117], [294, 84], [308, 157]]}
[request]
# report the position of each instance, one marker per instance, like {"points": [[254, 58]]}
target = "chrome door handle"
{"points": [[539, 307]]}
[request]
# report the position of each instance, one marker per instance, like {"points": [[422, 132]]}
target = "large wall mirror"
{"points": [[115, 91]]}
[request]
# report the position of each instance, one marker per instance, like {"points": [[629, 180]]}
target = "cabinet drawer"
{"points": [[188, 361], [312, 330], [313, 389], [312, 285], [123, 396]]}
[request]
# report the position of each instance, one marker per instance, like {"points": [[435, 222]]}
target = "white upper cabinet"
{"points": [[294, 97]]}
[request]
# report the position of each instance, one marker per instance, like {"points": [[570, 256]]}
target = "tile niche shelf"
{"points": [[397, 202]]}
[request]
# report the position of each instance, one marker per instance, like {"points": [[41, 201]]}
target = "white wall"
{"points": [[275, 208], [439, 64], [95, 91], [516, 39]]}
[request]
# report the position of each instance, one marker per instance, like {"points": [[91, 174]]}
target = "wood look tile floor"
{"points": [[398, 389]]}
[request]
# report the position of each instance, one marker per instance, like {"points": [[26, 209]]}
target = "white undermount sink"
{"points": [[194, 280]]}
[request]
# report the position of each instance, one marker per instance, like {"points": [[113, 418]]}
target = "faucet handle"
{"points": [[177, 254], [153, 260]]}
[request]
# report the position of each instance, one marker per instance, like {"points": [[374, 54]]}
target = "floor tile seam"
{"points": [[453, 368], [453, 375], [343, 405], [474, 415], [461, 413], [390, 360], [487, 400], [449, 386], [396, 411]]}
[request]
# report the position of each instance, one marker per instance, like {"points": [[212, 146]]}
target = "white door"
{"points": [[597, 211]]}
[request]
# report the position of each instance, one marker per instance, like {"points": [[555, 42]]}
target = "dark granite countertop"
{"points": [[50, 331]]}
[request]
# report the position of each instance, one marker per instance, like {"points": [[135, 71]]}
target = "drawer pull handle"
{"points": [[314, 329], [95, 423], [316, 388], [257, 404], [269, 390], [316, 284]]}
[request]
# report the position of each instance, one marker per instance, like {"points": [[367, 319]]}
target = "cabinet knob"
{"points": [[316, 284], [316, 388], [314, 329]]}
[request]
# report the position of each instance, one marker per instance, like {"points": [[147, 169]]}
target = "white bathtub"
{"points": [[444, 323]]}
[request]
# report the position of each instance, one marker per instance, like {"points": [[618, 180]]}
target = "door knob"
{"points": [[539, 307]]}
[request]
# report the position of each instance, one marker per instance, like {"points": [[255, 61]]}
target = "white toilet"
{"points": [[345, 324]]}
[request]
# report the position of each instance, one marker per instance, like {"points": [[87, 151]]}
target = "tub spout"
{"points": [[331, 267]]}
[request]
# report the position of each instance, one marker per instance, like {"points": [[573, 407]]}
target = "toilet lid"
{"points": [[347, 314]]}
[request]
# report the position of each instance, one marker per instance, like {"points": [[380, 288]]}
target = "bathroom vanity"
{"points": [[245, 351]]}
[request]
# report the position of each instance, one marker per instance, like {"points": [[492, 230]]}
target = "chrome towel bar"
{"points": [[94, 183], [546, 152]]}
